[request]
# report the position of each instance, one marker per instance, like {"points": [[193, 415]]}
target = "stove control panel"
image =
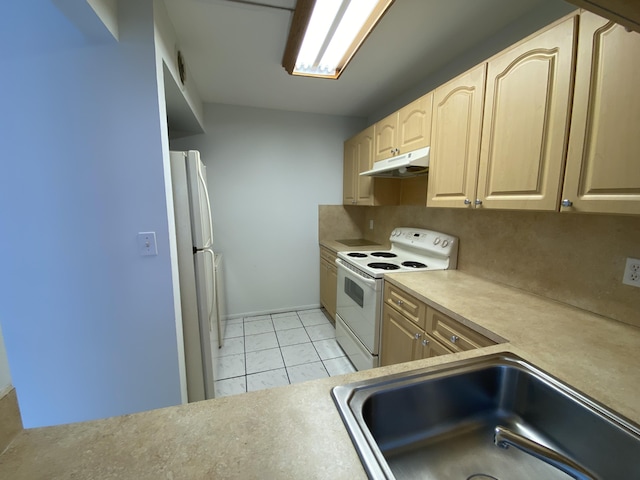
{"points": [[427, 240]]}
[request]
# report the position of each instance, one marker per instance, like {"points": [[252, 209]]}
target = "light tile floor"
{"points": [[279, 349]]}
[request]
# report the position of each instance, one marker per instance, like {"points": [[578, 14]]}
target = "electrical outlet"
{"points": [[632, 272]]}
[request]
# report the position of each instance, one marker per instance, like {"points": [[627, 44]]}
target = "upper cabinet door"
{"points": [[526, 121], [349, 170], [603, 166], [385, 137], [414, 125], [364, 162], [405, 130], [455, 140]]}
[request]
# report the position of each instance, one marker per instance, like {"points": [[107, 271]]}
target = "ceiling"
{"points": [[234, 51]]}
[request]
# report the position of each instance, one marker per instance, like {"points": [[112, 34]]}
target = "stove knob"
{"points": [[436, 241], [445, 243]]}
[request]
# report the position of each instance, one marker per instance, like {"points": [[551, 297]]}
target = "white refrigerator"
{"points": [[200, 274]]}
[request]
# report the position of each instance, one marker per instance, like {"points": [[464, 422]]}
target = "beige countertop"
{"points": [[296, 432], [336, 246]]}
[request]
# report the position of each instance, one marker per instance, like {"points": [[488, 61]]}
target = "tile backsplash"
{"points": [[576, 259]]}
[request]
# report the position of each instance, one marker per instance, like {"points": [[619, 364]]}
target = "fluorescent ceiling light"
{"points": [[325, 34]]}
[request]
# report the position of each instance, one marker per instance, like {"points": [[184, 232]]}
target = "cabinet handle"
{"points": [[566, 203], [467, 201], [478, 202], [425, 342], [454, 338], [400, 303], [418, 335]]}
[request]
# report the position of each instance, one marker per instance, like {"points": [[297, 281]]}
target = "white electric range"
{"points": [[360, 291]]}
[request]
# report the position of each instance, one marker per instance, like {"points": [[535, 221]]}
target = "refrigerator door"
{"points": [[208, 316], [202, 227], [187, 277]]}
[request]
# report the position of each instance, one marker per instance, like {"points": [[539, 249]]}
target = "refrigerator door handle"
{"points": [[215, 299], [206, 194]]}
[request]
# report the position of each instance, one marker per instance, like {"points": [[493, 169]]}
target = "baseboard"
{"points": [[269, 312]]}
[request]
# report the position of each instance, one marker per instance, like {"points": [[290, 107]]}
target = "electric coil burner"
{"points": [[360, 279], [383, 266]]}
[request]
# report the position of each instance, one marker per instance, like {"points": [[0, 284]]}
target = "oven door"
{"points": [[359, 305]]}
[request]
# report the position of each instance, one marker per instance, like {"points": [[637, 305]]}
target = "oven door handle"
{"points": [[370, 283]]}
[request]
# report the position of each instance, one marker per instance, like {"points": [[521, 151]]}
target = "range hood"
{"points": [[410, 164]]}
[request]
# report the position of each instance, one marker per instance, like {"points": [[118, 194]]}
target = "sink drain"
{"points": [[481, 476]]}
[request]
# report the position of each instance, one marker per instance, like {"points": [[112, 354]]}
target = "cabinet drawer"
{"points": [[410, 307], [434, 348], [453, 334], [328, 255]]}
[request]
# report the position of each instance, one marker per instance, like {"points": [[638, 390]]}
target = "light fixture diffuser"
{"points": [[325, 34]]}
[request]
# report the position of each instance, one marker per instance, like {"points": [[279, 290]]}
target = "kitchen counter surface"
{"points": [[296, 432], [336, 246]]}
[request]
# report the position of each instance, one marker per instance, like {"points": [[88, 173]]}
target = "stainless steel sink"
{"points": [[440, 423]]}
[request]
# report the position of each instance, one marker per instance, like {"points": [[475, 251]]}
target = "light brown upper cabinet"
{"points": [[358, 157], [405, 130], [455, 140], [526, 120], [357, 190], [603, 161], [500, 130]]}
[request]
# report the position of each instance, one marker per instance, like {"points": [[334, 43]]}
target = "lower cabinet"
{"points": [[411, 330], [328, 281]]}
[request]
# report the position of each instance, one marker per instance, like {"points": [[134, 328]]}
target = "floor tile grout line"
{"points": [[297, 315], [281, 355]]}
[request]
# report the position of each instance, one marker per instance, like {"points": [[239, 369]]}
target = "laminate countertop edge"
{"points": [[296, 432]]}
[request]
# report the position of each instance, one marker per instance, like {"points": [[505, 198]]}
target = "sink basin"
{"points": [[439, 423], [357, 242]]}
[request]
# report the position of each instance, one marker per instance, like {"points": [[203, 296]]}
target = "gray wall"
{"points": [[267, 172], [88, 324]]}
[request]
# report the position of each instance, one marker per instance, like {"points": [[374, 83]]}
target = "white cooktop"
{"points": [[412, 249]]}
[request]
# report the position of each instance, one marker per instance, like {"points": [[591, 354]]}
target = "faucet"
{"points": [[503, 438]]}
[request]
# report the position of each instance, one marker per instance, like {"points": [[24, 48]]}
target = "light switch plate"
{"points": [[147, 243]]}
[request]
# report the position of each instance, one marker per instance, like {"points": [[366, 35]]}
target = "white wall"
{"points": [[167, 49], [89, 325], [267, 172]]}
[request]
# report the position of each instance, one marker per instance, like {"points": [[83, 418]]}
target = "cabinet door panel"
{"points": [[398, 338], [332, 290], [414, 124], [348, 172], [526, 120], [385, 137], [364, 163], [603, 174], [455, 140]]}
